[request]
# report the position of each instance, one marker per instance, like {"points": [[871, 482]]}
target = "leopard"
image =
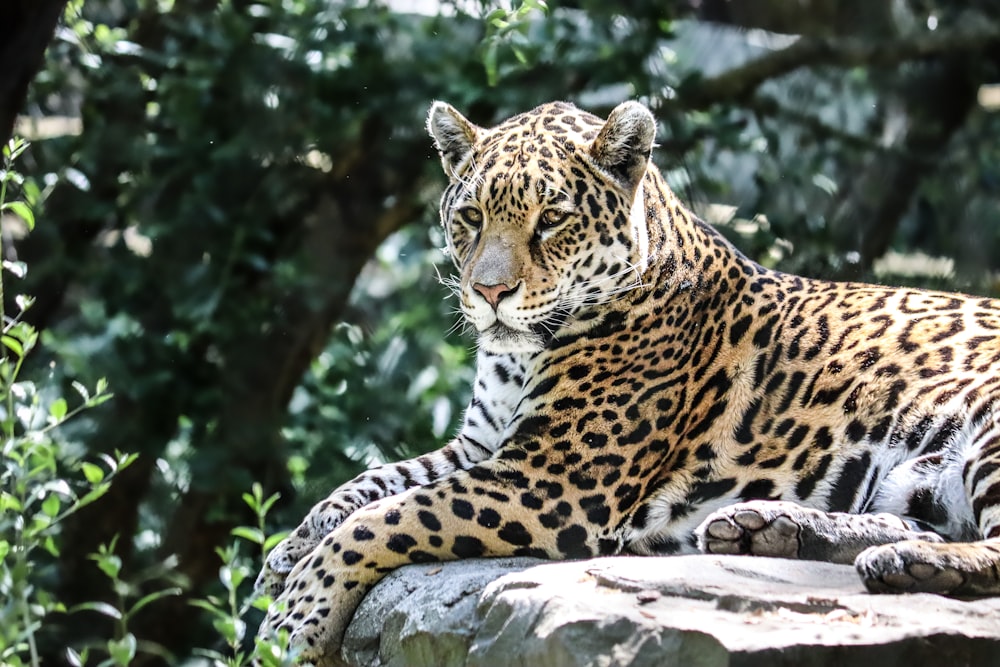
{"points": [[644, 388]]}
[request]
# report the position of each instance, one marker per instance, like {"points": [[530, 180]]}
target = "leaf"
{"points": [[50, 546], [100, 607], [23, 211], [99, 400], [58, 409], [18, 269], [269, 503], [232, 629], [59, 486], [153, 597], [51, 505], [275, 539], [74, 658], [13, 345], [248, 533], [82, 390], [9, 502], [24, 302], [109, 564], [122, 650], [94, 473]]}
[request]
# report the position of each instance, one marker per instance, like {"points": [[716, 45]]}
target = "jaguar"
{"points": [[642, 387]]}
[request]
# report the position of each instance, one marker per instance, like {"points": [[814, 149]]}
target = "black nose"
{"points": [[493, 293]]}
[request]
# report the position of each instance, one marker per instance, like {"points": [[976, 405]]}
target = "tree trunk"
{"points": [[26, 27], [934, 101]]}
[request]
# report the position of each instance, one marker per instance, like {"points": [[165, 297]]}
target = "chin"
{"points": [[500, 339]]}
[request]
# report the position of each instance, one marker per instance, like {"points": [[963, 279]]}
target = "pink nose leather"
{"points": [[493, 293]]}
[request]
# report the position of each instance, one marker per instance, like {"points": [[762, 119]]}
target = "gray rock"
{"points": [[689, 611]]}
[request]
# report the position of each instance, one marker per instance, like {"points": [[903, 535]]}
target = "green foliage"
{"points": [[39, 487], [242, 241], [229, 613]]}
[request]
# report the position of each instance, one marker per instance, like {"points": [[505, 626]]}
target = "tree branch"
{"points": [[971, 33]]}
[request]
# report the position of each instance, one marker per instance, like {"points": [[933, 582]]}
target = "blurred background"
{"points": [[237, 228]]}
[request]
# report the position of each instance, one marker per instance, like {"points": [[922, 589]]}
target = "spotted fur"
{"points": [[643, 387]]}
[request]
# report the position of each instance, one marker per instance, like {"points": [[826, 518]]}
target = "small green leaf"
{"points": [[51, 505], [9, 502], [153, 597], [269, 503], [254, 535], [231, 629], [122, 651], [100, 607], [13, 345], [58, 409], [94, 473], [23, 211], [274, 540], [109, 564]]}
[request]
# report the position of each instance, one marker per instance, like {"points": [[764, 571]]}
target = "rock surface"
{"points": [[689, 611]]}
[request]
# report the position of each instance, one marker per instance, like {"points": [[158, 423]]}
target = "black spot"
{"points": [[418, 556], [739, 328], [759, 488], [707, 490], [531, 501], [328, 581], [514, 532], [744, 433], [468, 547], [823, 439], [488, 518], [572, 542], [856, 430], [845, 489], [392, 517], [628, 496], [400, 543], [714, 412], [596, 508], [362, 534], [582, 481], [423, 500], [807, 484], [351, 557], [637, 435], [429, 521], [463, 509], [532, 426]]}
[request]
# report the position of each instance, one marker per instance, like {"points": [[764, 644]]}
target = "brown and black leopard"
{"points": [[642, 387]]}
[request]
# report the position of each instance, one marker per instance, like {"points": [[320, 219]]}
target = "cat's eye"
{"points": [[470, 216], [551, 218]]}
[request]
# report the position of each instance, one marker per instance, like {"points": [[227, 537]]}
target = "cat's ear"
{"points": [[454, 135], [623, 146]]}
